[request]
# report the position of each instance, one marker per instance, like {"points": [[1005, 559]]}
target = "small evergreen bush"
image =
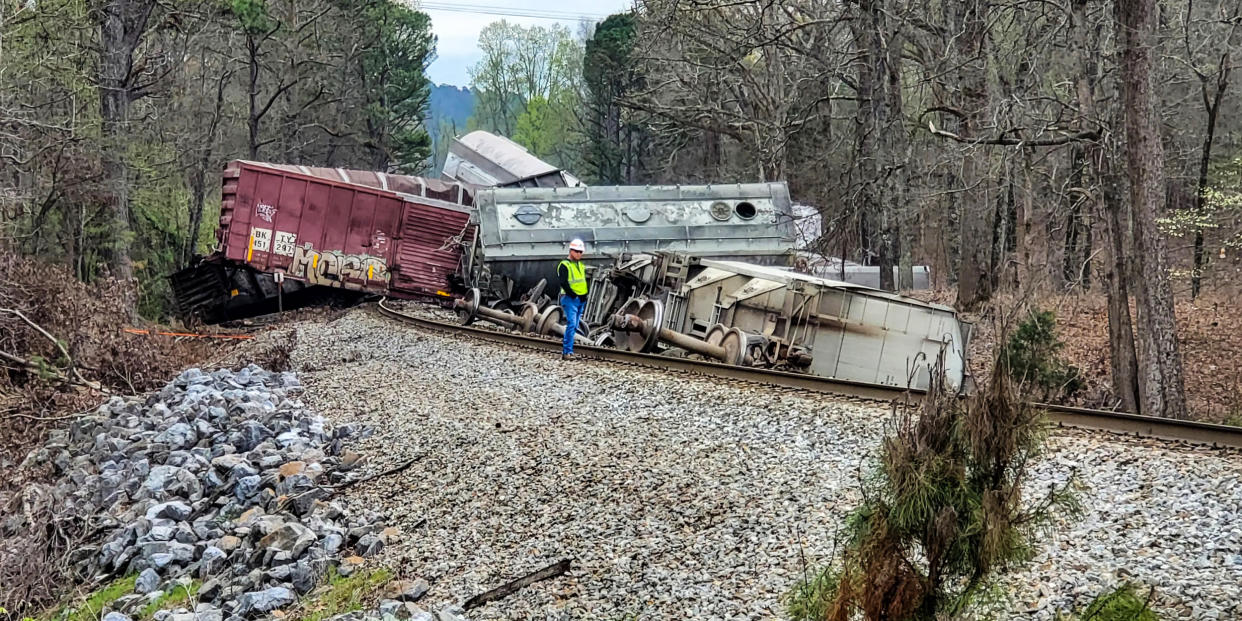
{"points": [[1031, 355], [944, 511]]}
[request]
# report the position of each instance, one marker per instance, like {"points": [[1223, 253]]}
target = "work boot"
{"points": [[569, 356]]}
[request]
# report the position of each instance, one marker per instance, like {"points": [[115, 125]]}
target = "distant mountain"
{"points": [[451, 106], [449, 103]]}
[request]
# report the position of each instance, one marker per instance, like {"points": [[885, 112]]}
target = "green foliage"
{"points": [[335, 83], [1031, 357], [393, 67], [1121, 604], [546, 129], [159, 218], [529, 75], [343, 594], [1222, 206], [812, 596], [94, 605], [609, 74], [91, 608], [253, 15], [944, 511], [178, 596]]}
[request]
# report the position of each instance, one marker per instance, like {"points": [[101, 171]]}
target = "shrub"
{"points": [[1121, 604], [944, 510], [1031, 356]]}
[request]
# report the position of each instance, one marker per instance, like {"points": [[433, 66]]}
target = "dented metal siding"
{"points": [[431, 245]]}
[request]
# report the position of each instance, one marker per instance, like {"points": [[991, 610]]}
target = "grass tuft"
{"points": [[1121, 604], [343, 594], [93, 606], [812, 596], [179, 595]]}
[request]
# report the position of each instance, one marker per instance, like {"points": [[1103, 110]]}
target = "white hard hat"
{"points": [[577, 244]]}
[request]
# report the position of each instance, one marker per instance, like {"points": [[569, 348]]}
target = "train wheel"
{"points": [[528, 316], [628, 340], [735, 345], [551, 316], [470, 312], [652, 314]]}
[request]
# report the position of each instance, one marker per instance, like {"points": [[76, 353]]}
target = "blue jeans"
{"points": [[573, 308]]}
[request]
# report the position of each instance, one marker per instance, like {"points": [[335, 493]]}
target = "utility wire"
{"points": [[506, 11]]}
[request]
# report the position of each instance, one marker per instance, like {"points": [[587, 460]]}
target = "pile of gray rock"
{"points": [[224, 478]]}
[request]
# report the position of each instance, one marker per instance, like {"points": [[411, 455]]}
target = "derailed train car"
{"points": [[288, 234], [745, 314], [768, 316], [679, 270], [523, 232], [484, 159]]}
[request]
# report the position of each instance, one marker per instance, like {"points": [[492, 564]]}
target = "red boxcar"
{"points": [[388, 234]]}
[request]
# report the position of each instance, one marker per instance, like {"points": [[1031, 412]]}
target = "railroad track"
{"points": [[1122, 423]]}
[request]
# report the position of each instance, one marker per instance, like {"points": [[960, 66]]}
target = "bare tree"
{"points": [[967, 21], [882, 145], [1102, 191], [1161, 386], [123, 25]]}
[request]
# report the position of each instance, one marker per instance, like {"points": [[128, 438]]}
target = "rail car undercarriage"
{"points": [[743, 314]]}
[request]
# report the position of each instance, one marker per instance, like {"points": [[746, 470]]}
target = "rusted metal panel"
{"points": [[341, 228], [430, 248]]}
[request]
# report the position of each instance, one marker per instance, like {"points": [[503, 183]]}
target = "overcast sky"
{"points": [[458, 32]]}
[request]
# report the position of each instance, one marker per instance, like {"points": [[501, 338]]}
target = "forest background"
{"points": [[1058, 150]]}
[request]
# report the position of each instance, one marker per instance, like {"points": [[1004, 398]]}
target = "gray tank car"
{"points": [[523, 232]]}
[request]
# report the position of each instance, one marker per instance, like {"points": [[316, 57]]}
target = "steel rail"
{"points": [[1122, 423]]}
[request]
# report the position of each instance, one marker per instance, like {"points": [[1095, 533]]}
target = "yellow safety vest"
{"points": [[577, 276]]}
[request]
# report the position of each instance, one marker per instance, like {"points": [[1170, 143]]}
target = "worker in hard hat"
{"points": [[573, 293]]}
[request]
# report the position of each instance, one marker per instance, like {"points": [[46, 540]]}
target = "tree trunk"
{"points": [[198, 178], [1161, 384], [255, 117], [881, 136], [968, 19], [1102, 188], [1212, 107], [1123, 359], [115, 62]]}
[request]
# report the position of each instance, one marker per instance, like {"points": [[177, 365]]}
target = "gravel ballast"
{"points": [[680, 496]]}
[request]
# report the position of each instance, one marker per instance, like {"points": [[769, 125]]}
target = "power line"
{"points": [[507, 11]]}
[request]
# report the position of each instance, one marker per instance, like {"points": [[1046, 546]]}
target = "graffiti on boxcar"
{"points": [[333, 269], [265, 212]]}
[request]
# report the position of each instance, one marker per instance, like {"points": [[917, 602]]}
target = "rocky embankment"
{"points": [[221, 485]]}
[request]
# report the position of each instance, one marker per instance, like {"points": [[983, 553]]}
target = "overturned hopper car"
{"points": [[772, 317], [484, 159], [745, 314]]}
